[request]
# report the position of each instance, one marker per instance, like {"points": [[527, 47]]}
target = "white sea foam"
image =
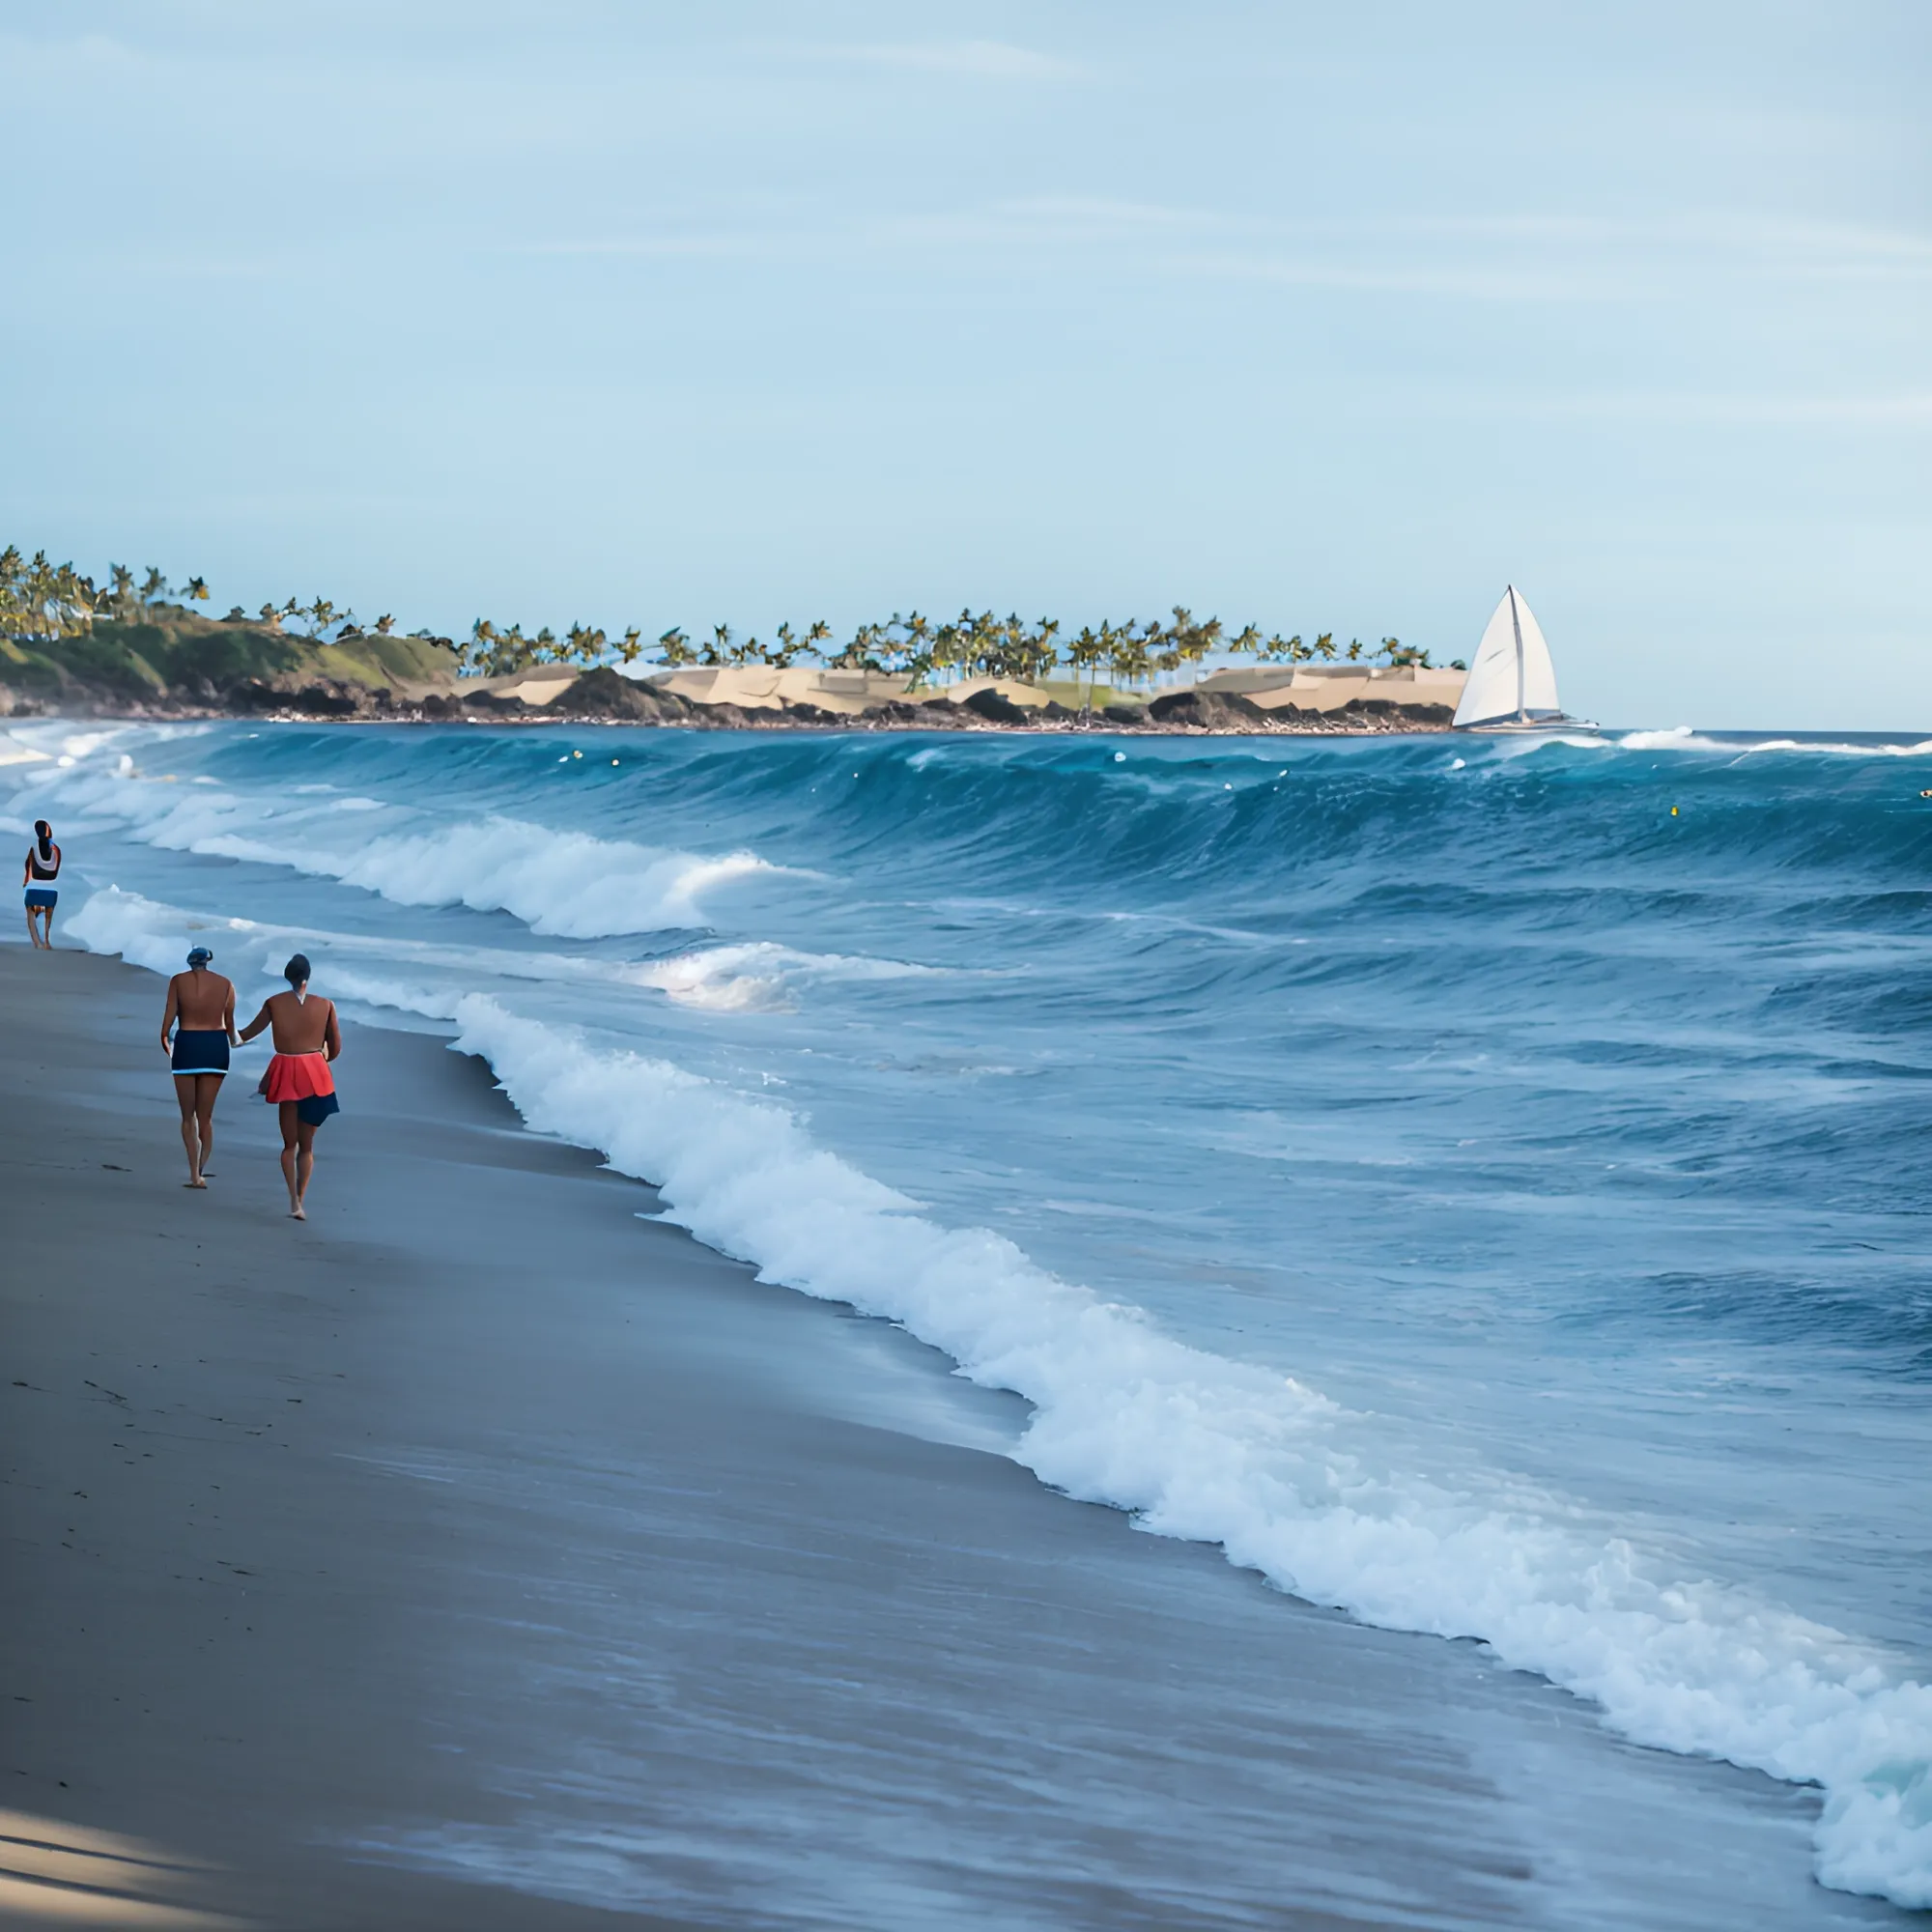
{"points": [[413, 976], [756, 977], [1681, 738], [1285, 1480], [568, 884], [562, 884]]}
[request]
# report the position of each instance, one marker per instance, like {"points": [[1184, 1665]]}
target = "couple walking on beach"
{"points": [[200, 1014]]}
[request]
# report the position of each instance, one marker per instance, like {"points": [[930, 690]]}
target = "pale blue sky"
{"points": [[1327, 316]]}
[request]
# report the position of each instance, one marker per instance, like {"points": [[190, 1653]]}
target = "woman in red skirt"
{"points": [[307, 1037]]}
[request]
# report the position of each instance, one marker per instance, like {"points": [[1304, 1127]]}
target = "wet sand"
{"points": [[479, 1554]]}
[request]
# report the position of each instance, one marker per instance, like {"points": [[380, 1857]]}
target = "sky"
{"points": [[1327, 318]]}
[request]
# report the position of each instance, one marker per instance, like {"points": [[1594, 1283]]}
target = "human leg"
{"points": [[207, 1088], [304, 1162], [185, 1097], [291, 1127]]}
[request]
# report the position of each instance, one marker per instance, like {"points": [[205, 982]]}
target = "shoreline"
{"points": [[731, 717], [560, 1573]]}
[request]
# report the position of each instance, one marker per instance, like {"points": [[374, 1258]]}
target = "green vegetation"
{"points": [[141, 640], [915, 646]]}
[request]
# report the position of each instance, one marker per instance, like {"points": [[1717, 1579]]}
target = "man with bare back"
{"points": [[307, 1037], [202, 1005]]}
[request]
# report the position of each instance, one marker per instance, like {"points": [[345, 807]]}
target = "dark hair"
{"points": [[296, 972], [44, 834]]}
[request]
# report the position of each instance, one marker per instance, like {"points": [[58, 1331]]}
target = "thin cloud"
{"points": [[1909, 409], [979, 60], [1524, 258]]}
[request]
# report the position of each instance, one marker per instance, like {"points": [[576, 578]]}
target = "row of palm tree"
{"points": [[972, 645], [42, 602], [319, 617]]}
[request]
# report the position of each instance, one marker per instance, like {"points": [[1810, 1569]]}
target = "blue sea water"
{"points": [[1476, 1183]]}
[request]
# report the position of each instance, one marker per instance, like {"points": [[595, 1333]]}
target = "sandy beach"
{"points": [[481, 1554]]}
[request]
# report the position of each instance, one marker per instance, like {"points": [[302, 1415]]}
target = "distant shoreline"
{"points": [[1096, 726], [604, 697], [173, 665]]}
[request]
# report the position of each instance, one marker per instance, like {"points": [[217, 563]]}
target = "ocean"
{"points": [[1474, 1183]]}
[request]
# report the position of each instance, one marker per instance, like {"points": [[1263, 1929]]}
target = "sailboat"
{"points": [[1512, 684]]}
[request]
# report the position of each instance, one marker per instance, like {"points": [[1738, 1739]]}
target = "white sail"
{"points": [[1511, 676]]}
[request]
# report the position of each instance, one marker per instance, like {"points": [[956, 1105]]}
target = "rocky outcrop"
{"points": [[995, 709], [213, 676], [1208, 711], [604, 694], [1397, 716]]}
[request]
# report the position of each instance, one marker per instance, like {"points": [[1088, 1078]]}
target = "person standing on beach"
{"points": [[307, 1037], [43, 864], [202, 1005]]}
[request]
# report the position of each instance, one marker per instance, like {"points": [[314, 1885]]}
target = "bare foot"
{"points": [[296, 1214], [194, 1183]]}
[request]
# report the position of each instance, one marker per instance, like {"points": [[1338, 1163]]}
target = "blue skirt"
{"points": [[199, 1052], [40, 899]]}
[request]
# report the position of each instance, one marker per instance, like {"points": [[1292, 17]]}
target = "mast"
{"points": [[1515, 624]]}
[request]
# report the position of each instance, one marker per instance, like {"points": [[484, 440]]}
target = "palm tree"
{"points": [[676, 649], [862, 653], [583, 644], [1128, 654], [153, 587], [1325, 648], [197, 591], [384, 624], [1084, 653], [474, 655]]}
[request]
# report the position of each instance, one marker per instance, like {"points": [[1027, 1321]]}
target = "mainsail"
{"points": [[1511, 680]]}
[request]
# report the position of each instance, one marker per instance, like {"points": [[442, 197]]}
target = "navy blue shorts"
{"points": [[40, 899], [317, 1108], [199, 1052]]}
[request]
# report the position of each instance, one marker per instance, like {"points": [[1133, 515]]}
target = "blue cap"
{"points": [[200, 953]]}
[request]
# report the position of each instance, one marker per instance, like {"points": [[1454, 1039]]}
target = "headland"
{"points": [[111, 655]]}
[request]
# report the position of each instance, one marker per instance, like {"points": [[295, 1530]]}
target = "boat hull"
{"points": [[1519, 727]]}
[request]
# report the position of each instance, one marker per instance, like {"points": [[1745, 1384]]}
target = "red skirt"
{"points": [[298, 1076]]}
